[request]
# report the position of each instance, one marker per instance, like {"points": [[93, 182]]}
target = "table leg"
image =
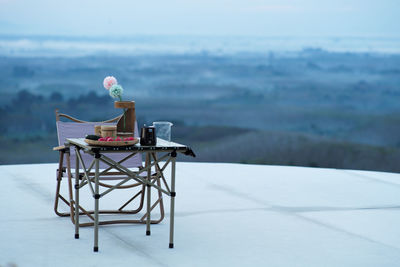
{"points": [[148, 163], [96, 205], [172, 208], [76, 194]]}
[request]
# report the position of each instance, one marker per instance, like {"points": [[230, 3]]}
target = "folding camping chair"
{"points": [[75, 128]]}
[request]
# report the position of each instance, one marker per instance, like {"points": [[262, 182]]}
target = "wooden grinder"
{"points": [[130, 118]]}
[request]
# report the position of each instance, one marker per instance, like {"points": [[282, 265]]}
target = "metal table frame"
{"points": [[99, 154]]}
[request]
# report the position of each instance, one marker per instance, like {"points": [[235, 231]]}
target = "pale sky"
{"points": [[363, 18]]}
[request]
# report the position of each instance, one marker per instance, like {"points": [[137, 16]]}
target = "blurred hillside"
{"points": [[310, 108]]}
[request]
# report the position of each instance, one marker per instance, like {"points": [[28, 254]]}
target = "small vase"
{"points": [[126, 124]]}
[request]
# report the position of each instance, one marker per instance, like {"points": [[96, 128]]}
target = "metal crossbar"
{"points": [[119, 162], [85, 173], [90, 179], [134, 175], [161, 170], [148, 181]]}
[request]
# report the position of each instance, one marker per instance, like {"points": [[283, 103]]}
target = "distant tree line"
{"points": [[33, 114]]}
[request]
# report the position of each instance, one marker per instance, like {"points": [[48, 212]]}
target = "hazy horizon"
{"points": [[66, 46]]}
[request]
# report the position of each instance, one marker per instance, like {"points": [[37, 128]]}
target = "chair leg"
{"points": [[160, 197], [159, 176], [131, 199], [159, 202], [58, 196]]}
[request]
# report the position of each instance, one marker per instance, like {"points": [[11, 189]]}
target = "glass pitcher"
{"points": [[163, 130]]}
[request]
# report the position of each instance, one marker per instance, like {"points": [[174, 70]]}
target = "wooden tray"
{"points": [[111, 143]]}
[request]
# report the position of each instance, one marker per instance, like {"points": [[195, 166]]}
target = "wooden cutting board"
{"points": [[111, 143]]}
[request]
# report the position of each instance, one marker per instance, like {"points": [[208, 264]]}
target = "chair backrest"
{"points": [[78, 129]]}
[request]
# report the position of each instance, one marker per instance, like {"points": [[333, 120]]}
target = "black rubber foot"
{"points": [[147, 232], [171, 245], [76, 236], [96, 249]]}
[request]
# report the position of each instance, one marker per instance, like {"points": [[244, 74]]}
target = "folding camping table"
{"points": [[169, 152]]}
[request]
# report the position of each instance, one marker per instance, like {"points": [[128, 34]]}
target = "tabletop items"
{"points": [[107, 130], [163, 129], [148, 136], [111, 142], [108, 137], [125, 126]]}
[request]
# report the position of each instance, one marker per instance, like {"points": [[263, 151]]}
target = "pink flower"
{"points": [[109, 81]]}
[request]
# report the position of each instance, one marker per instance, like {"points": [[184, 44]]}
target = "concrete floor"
{"points": [[226, 215]]}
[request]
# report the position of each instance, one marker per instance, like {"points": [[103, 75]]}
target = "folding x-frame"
{"points": [[143, 177]]}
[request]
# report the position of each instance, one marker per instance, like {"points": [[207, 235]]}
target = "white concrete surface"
{"points": [[226, 215]]}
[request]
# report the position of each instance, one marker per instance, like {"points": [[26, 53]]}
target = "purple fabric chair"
{"points": [[76, 128]]}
